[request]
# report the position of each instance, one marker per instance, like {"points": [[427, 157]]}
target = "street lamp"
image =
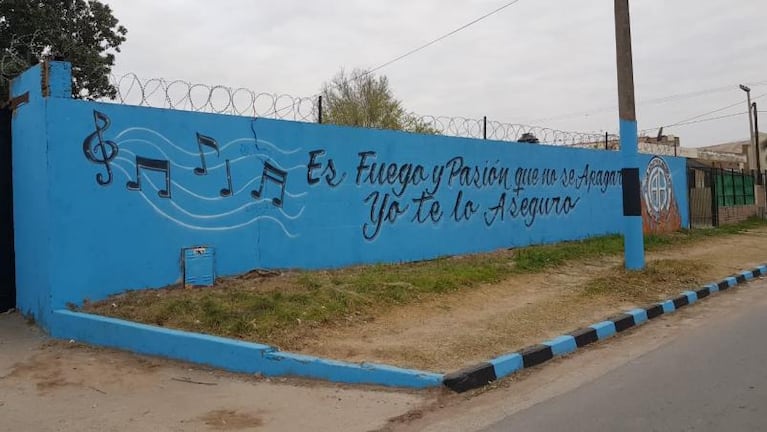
{"points": [[752, 152]]}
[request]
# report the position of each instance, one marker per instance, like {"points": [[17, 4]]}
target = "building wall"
{"points": [[112, 194], [31, 196], [759, 194], [735, 214]]}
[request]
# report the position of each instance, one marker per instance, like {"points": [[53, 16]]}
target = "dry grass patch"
{"points": [[609, 291], [659, 280], [284, 309], [396, 313]]}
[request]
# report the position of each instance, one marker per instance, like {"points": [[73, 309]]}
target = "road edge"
{"points": [[482, 374]]}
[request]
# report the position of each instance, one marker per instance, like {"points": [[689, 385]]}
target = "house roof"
{"points": [[734, 147]]}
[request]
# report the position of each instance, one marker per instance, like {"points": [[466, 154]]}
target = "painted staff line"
{"points": [[202, 228], [225, 146]]}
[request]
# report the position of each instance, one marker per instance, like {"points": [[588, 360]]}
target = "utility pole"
{"points": [[633, 240], [752, 152]]}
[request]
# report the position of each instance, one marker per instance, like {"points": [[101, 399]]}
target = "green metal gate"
{"points": [[734, 188]]}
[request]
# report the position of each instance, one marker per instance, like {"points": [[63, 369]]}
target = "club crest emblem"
{"points": [[658, 189]]}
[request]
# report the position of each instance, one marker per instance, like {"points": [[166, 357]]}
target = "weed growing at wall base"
{"points": [[282, 309], [642, 286]]}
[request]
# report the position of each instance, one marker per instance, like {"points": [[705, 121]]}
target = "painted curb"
{"points": [[228, 354], [499, 367], [246, 357]]}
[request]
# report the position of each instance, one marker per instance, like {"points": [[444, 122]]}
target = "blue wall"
{"points": [[350, 195], [31, 198]]}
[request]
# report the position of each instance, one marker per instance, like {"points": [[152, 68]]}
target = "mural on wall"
{"points": [[394, 192], [398, 192], [405, 192], [660, 211], [174, 177], [277, 194]]}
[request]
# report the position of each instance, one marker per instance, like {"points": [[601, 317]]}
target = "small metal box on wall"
{"points": [[199, 266]]}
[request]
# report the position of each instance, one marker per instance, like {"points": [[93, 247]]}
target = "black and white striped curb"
{"points": [[484, 373]]}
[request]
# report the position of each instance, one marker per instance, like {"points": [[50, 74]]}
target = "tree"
{"points": [[83, 32], [364, 100]]}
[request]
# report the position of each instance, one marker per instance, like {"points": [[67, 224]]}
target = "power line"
{"points": [[663, 99], [445, 36], [697, 93], [724, 108], [705, 120], [688, 120], [426, 45]]}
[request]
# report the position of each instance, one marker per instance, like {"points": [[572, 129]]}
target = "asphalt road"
{"points": [[712, 378]]}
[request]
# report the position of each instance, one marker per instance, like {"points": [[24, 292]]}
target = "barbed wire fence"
{"points": [[496, 130], [23, 52], [651, 146], [16, 58], [220, 99]]}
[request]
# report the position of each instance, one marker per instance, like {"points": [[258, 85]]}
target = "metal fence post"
{"points": [[319, 110], [752, 191], [743, 184], [756, 134], [714, 199]]}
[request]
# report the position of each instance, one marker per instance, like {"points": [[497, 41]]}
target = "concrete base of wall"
{"points": [[760, 195], [228, 354], [735, 214]]}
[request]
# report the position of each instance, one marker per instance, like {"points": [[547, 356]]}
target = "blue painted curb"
{"points": [[562, 345], [228, 354], [247, 357], [604, 329], [507, 364], [640, 316]]}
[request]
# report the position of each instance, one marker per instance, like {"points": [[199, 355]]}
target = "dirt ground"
{"points": [[447, 330], [474, 325], [58, 386], [481, 408]]}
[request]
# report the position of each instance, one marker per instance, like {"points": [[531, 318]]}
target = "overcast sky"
{"points": [[542, 62]]}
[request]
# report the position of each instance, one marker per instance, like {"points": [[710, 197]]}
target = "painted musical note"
{"points": [[158, 165], [206, 141], [228, 190], [276, 176], [101, 152]]}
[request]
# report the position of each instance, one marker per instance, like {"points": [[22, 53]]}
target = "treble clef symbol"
{"points": [[101, 152]]}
